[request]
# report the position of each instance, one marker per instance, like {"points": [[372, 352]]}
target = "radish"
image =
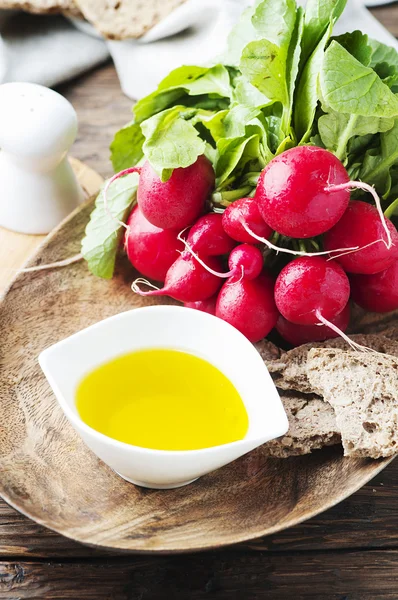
{"points": [[245, 210], [186, 281], [207, 306], [302, 334], [207, 236], [244, 261], [249, 306], [310, 290], [150, 250], [297, 194], [361, 226], [377, 292], [176, 203]]}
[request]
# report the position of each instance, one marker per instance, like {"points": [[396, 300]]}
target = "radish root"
{"points": [[277, 249], [106, 189], [354, 345], [360, 185], [200, 261], [54, 265], [135, 286]]}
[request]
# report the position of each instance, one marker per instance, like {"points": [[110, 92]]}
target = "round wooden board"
{"points": [[48, 474]]}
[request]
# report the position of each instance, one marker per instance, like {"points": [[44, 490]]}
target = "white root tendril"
{"points": [[200, 261], [354, 345], [135, 286], [360, 185], [106, 189], [348, 251], [54, 265], [277, 249]]}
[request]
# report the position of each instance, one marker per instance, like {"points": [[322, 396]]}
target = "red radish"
{"points": [[186, 281], [245, 210], [377, 292], [176, 203], [150, 250], [302, 334], [310, 290], [207, 236], [207, 306], [361, 226], [245, 261], [295, 192], [249, 306]]}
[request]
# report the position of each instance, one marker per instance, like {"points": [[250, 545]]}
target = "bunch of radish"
{"points": [[217, 263]]}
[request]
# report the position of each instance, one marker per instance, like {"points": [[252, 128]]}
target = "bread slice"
{"points": [[122, 19], [268, 351], [289, 372], [363, 321], [312, 425], [363, 390], [42, 6]]}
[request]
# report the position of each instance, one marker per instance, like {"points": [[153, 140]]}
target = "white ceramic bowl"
{"points": [[68, 361]]}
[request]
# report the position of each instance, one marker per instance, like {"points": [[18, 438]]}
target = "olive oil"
{"points": [[164, 400]]}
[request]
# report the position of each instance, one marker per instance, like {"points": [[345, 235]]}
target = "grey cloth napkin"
{"points": [[45, 49]]}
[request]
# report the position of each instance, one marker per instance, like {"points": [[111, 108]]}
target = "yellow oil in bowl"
{"points": [[164, 400]]}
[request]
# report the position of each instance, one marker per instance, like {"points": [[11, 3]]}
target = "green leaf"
{"points": [[379, 161], [293, 59], [336, 129], [215, 124], [126, 148], [307, 91], [234, 152], [264, 62], [171, 141], [319, 14], [383, 54], [191, 80], [245, 94], [241, 34], [357, 44], [274, 21], [103, 234], [350, 87]]}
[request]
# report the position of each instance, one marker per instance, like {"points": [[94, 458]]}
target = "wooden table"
{"points": [[348, 553]]}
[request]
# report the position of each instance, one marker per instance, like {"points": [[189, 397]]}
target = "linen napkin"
{"points": [[49, 50]]}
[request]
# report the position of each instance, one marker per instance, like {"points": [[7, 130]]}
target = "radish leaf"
{"points": [[126, 148], [171, 141], [350, 87], [103, 234]]}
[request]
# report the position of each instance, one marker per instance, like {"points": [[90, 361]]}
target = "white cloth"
{"points": [[49, 50]]}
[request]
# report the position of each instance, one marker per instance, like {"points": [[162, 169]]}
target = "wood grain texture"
{"points": [[302, 576], [368, 519], [50, 475]]}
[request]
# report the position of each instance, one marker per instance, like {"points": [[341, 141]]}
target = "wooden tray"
{"points": [[49, 475]]}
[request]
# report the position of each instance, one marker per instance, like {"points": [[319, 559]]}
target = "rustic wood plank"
{"points": [[368, 575], [388, 16], [369, 519]]}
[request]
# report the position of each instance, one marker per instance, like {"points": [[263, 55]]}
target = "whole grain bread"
{"points": [[366, 322], [268, 351], [312, 425], [363, 390], [289, 372], [122, 19], [42, 6]]}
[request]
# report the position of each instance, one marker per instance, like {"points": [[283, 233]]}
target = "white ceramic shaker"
{"points": [[37, 185]]}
